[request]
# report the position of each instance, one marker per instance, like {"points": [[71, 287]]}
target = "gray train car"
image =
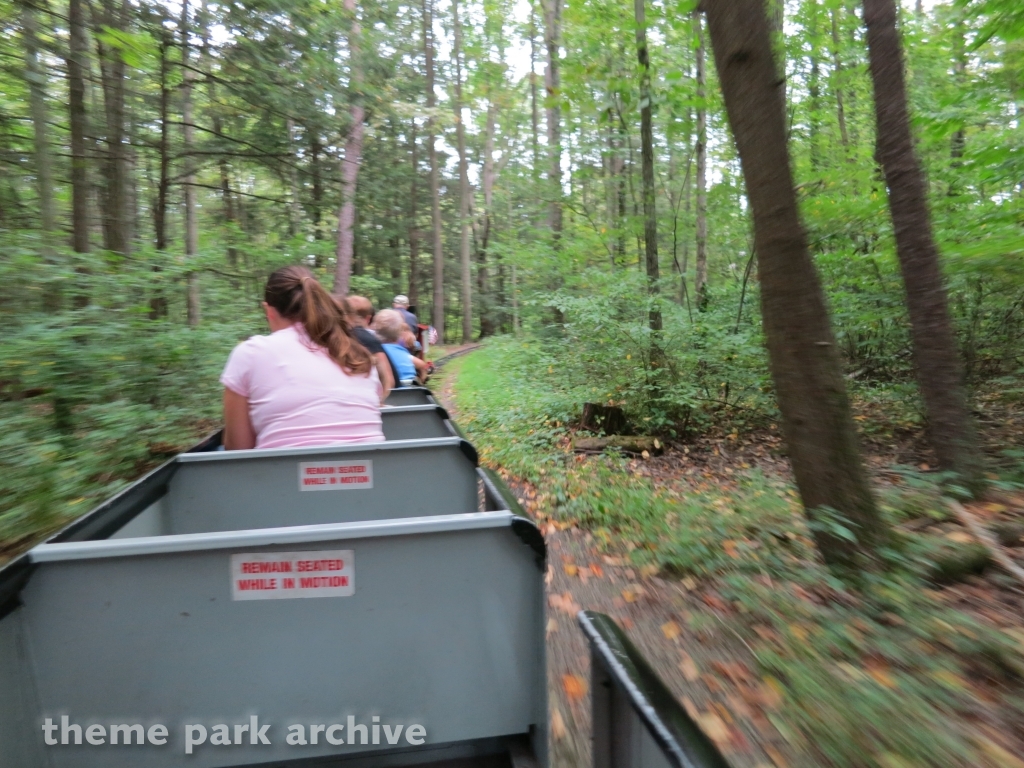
{"points": [[240, 609]]}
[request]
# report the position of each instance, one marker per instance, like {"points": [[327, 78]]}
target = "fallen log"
{"points": [[629, 444]]}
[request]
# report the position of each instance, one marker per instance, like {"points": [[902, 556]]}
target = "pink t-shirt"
{"points": [[298, 396]]}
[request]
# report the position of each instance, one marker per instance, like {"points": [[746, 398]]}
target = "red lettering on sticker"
{"points": [[319, 470], [305, 566], [272, 567], [316, 582], [257, 584]]}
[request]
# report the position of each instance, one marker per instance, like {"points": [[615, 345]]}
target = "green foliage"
{"points": [[878, 678], [93, 390], [699, 367]]}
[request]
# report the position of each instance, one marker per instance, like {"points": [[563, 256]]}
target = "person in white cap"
{"points": [[401, 303]]}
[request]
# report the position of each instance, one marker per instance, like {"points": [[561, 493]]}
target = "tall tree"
{"points": [[949, 424], [802, 352], [353, 157], [414, 229], [553, 102], [700, 283], [814, 86], [647, 170], [193, 307], [292, 172], [464, 201], [36, 78], [839, 78], [78, 51], [437, 316], [112, 21], [158, 302], [487, 179], [534, 118]]}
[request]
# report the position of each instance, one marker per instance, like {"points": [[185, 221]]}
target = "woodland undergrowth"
{"points": [[921, 664]]}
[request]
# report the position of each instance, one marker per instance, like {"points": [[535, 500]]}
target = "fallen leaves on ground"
{"points": [[575, 687], [558, 731], [670, 630], [689, 668], [564, 603]]}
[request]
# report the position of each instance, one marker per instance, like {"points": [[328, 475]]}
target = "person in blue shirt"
{"points": [[390, 326]]}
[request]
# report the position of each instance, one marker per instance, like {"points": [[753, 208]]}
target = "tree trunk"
{"points": [[958, 142], [804, 360], [534, 117], [77, 51], [950, 428], [647, 161], [700, 282], [158, 302], [116, 220], [294, 204], [193, 308], [777, 25], [552, 84], [224, 169], [437, 315], [814, 90], [36, 79], [414, 230], [464, 223], [315, 148], [487, 182], [838, 78], [684, 268], [163, 185], [515, 301], [350, 165]]}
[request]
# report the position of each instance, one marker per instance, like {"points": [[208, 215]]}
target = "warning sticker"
{"points": [[280, 575], [335, 476]]}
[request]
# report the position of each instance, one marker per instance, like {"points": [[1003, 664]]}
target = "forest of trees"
{"points": [[570, 172], [785, 238]]}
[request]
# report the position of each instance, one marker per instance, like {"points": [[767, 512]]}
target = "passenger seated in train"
{"points": [[359, 313], [390, 327], [307, 383]]}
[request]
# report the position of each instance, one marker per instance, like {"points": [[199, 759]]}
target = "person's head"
{"points": [[360, 311], [389, 324], [401, 301], [408, 339], [293, 295]]}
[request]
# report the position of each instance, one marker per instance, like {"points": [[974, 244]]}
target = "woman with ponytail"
{"points": [[305, 384]]}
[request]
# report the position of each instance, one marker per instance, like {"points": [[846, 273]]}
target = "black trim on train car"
{"points": [[681, 741], [530, 535], [498, 495], [458, 430], [499, 488], [13, 578], [469, 451]]}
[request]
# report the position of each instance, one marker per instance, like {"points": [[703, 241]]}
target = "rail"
{"points": [[637, 722]]}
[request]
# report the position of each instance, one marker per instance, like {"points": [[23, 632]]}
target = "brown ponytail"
{"points": [[298, 296]]}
